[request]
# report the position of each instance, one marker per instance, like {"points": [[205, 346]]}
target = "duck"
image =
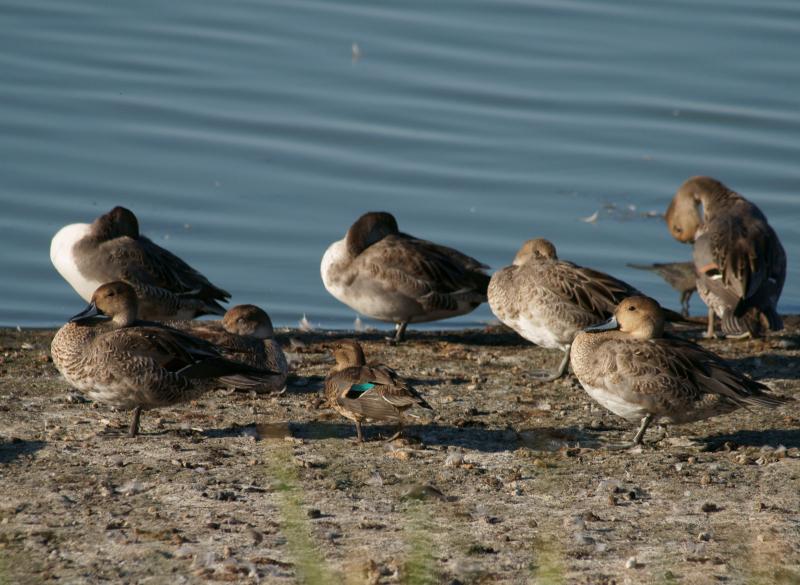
{"points": [[548, 301], [632, 368], [130, 364], [245, 334], [394, 277], [359, 391], [738, 257], [679, 275], [111, 248]]}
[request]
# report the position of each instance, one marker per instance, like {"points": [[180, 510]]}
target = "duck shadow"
{"points": [[16, 448], [767, 365], [473, 438], [773, 437], [491, 336]]}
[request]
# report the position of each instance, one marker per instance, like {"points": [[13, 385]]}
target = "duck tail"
{"points": [[751, 322]]}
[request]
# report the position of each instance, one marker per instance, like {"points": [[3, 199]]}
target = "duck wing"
{"points": [[435, 276], [152, 265], [593, 291]]}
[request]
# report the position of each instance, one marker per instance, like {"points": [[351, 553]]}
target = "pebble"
{"points": [[632, 563], [709, 508], [130, 488], [454, 460]]}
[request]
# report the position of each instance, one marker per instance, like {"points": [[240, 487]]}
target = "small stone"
{"points": [[704, 536], [423, 492], [583, 539], [709, 508], [314, 513], [454, 460], [632, 563]]}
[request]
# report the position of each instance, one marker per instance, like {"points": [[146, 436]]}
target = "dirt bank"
{"points": [[510, 481]]}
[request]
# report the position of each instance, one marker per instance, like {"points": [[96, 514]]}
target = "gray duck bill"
{"points": [[87, 313], [609, 325]]}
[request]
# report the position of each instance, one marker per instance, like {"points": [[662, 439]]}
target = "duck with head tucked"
{"points": [[548, 301], [111, 248], [637, 372], [362, 392], [244, 335], [739, 260], [136, 365], [391, 276]]}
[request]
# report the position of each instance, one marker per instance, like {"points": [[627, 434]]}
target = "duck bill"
{"points": [[609, 325], [86, 314]]}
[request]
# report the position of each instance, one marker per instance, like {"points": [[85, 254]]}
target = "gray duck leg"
{"points": [[360, 436], [134, 430], [400, 333], [710, 331], [545, 376], [638, 438]]}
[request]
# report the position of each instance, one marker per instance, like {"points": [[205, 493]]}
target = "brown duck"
{"points": [[111, 248], [391, 276], [739, 260], [362, 392], [630, 367], [548, 301], [244, 335], [136, 365]]}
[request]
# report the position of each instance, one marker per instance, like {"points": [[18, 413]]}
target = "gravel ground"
{"points": [[510, 481]]}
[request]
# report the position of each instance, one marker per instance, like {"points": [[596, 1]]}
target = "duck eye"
{"points": [[677, 229], [631, 308]]}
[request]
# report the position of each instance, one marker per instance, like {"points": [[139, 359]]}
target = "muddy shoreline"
{"points": [[510, 481]]}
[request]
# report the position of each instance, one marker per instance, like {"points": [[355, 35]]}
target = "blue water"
{"points": [[248, 135]]}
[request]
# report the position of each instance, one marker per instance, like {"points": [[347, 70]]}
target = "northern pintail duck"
{"points": [[391, 276], [548, 301], [630, 367], [135, 365], [111, 248], [244, 335], [740, 263], [679, 275], [362, 392]]}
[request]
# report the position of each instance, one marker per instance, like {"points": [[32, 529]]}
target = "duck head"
{"points": [[248, 321], [535, 249], [638, 317], [115, 300], [347, 353], [683, 214], [370, 228], [116, 223]]}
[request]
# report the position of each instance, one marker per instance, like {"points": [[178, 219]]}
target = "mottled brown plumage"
{"points": [[132, 364], [740, 262], [548, 301], [360, 392], [630, 367], [391, 276], [244, 335]]}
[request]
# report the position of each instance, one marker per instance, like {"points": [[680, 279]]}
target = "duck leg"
{"points": [[134, 430], [360, 436], [637, 439], [710, 331], [545, 376], [398, 433], [400, 333], [685, 296]]}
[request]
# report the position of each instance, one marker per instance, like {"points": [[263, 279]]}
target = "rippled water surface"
{"points": [[247, 135]]}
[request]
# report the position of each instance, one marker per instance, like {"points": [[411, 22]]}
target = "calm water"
{"points": [[247, 135]]}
